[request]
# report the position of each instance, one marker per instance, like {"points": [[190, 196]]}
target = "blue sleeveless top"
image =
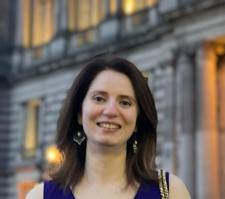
{"points": [[145, 191]]}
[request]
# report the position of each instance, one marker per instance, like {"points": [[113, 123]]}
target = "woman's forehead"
{"points": [[112, 81]]}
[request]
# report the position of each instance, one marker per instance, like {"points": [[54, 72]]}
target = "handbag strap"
{"points": [[163, 187]]}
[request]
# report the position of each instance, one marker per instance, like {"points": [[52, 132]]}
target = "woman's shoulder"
{"points": [[48, 189], [36, 192], [177, 188]]}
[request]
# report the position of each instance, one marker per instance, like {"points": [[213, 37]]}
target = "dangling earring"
{"points": [[135, 146], [79, 137], [135, 143]]}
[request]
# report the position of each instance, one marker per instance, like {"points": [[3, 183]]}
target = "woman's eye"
{"points": [[125, 103], [99, 99]]}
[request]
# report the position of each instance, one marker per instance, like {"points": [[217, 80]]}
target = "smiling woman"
{"points": [[107, 134], [109, 111]]}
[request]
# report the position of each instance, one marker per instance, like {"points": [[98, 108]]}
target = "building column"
{"points": [[184, 125], [61, 14], [207, 171], [18, 23], [18, 31], [221, 122]]}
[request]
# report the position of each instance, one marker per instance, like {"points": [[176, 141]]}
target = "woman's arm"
{"points": [[36, 192], [177, 188]]}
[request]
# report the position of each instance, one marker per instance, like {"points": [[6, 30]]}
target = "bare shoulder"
{"points": [[177, 188], [36, 192]]}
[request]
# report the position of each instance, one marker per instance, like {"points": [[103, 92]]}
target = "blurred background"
{"points": [[179, 45]]}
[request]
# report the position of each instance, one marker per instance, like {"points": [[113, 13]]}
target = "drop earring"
{"points": [[135, 143], [135, 148], [79, 137]]}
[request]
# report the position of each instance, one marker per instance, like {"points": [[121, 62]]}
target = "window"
{"points": [[38, 22], [113, 6], [31, 128], [83, 14], [98, 12], [72, 18], [132, 6], [84, 10]]}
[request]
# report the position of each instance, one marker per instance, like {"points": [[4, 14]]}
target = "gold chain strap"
{"points": [[163, 185]]}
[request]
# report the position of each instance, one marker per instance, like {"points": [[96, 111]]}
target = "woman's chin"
{"points": [[106, 143]]}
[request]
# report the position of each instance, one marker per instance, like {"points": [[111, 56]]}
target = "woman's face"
{"points": [[109, 110]]}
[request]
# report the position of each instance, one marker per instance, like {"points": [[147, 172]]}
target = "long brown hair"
{"points": [[140, 166]]}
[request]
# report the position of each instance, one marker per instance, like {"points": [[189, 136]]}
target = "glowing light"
{"points": [[53, 155], [129, 7]]}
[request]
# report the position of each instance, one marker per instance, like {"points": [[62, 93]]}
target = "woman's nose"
{"points": [[110, 109]]}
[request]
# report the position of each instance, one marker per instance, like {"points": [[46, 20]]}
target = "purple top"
{"points": [[146, 191]]}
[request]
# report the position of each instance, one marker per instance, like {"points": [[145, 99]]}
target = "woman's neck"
{"points": [[105, 175], [105, 166]]}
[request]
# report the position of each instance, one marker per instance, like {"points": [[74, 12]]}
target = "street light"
{"points": [[52, 155], [52, 158]]}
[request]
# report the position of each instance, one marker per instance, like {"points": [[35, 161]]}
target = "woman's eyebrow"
{"points": [[101, 92], [98, 92]]}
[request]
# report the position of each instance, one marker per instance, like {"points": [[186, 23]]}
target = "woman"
{"points": [[107, 135]]}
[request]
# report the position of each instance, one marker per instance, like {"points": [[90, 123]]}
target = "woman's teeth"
{"points": [[109, 125]]}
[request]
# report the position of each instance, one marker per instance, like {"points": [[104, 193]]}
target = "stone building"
{"points": [[178, 44]]}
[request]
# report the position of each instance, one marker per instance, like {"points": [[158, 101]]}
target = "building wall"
{"points": [[6, 23], [7, 171], [7, 177]]}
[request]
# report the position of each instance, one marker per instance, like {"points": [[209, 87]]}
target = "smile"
{"points": [[108, 125]]}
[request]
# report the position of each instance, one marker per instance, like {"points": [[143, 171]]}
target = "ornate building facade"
{"points": [[178, 44]]}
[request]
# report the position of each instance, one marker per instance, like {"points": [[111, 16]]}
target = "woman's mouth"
{"points": [[108, 125]]}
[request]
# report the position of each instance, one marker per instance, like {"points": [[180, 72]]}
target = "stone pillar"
{"points": [[184, 125], [167, 111], [221, 123], [61, 13], [206, 124], [18, 23], [16, 58]]}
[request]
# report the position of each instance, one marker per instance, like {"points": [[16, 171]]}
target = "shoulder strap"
{"points": [[163, 185]]}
